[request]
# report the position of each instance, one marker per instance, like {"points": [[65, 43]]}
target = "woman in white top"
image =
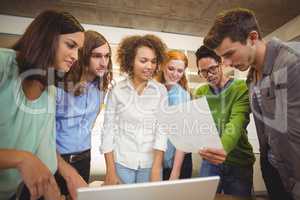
{"points": [[132, 144]]}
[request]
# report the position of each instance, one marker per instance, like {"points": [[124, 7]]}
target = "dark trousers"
{"points": [[274, 185], [234, 180], [186, 168], [25, 194], [82, 166]]}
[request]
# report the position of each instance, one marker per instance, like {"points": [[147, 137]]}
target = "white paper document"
{"points": [[189, 126]]}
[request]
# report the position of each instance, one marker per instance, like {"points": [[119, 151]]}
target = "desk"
{"points": [[228, 197]]}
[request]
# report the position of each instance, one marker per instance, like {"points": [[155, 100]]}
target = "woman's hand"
{"points": [[35, 174], [111, 178]]}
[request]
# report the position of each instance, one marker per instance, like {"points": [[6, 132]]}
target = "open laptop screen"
{"points": [[194, 189]]}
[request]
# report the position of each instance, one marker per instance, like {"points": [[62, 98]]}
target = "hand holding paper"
{"points": [[190, 126], [215, 156]]}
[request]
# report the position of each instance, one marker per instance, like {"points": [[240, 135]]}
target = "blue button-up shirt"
{"points": [[176, 95], [75, 116]]}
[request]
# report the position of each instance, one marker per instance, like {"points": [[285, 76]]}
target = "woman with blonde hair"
{"points": [[177, 164]]}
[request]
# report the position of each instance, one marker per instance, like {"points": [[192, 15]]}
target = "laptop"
{"points": [[192, 189]]}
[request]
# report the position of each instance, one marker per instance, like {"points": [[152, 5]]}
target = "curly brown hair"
{"points": [[128, 48]]}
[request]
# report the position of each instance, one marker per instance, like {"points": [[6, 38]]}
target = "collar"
{"points": [[219, 90], [128, 83], [272, 51]]}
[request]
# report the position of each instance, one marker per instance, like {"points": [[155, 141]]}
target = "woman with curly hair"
{"points": [[131, 142], [177, 164]]}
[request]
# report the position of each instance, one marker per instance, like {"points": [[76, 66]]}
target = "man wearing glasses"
{"points": [[229, 103]]}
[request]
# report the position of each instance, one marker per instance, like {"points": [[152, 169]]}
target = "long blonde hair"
{"points": [[174, 55]]}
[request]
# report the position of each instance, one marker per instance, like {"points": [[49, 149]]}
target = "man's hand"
{"points": [[215, 156], [71, 176], [73, 180]]}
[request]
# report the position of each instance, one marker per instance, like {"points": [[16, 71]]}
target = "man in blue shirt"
{"points": [[77, 108]]}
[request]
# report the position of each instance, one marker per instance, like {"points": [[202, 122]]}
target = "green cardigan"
{"points": [[230, 110]]}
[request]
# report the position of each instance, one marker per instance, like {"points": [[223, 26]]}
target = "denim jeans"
{"points": [[169, 155], [234, 180], [128, 175]]}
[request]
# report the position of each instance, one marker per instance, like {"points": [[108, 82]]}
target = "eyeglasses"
{"points": [[212, 69]]}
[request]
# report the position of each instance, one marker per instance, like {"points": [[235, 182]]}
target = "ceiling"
{"points": [[190, 17]]}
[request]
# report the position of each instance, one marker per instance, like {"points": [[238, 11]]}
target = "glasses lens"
{"points": [[202, 73], [211, 69]]}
